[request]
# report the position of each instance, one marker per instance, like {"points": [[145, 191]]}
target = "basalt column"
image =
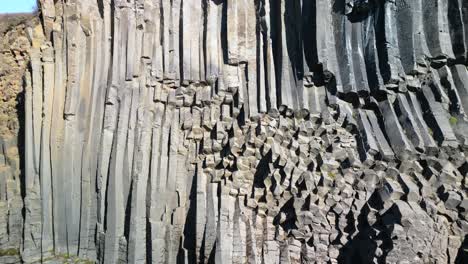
{"points": [[241, 131]]}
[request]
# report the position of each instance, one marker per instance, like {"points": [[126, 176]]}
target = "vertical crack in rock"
{"points": [[235, 131]]}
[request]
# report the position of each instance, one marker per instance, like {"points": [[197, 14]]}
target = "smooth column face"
{"points": [[177, 131], [45, 167], [460, 83], [137, 233]]}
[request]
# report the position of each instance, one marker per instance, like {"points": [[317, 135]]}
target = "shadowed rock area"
{"points": [[235, 131]]}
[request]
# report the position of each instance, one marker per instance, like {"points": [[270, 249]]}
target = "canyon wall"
{"points": [[239, 131]]}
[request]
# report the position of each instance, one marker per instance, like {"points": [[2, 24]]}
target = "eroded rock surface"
{"points": [[14, 60], [238, 131]]}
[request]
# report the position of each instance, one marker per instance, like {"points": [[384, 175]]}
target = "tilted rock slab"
{"points": [[242, 131]]}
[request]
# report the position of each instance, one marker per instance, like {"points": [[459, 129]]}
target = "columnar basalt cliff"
{"points": [[236, 131]]}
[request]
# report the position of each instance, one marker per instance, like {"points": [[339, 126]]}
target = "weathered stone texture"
{"points": [[242, 131]]}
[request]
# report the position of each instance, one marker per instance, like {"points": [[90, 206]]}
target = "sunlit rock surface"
{"points": [[239, 131]]}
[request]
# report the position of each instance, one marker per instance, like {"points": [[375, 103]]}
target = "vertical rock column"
{"points": [[177, 131]]}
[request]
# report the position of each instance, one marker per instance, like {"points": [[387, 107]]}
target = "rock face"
{"points": [[241, 131], [14, 59]]}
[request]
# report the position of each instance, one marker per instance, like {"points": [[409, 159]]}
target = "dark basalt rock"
{"points": [[239, 131]]}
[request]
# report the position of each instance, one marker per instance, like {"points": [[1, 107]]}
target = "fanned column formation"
{"points": [[242, 131]]}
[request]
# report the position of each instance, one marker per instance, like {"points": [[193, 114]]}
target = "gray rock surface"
{"points": [[236, 131]]}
